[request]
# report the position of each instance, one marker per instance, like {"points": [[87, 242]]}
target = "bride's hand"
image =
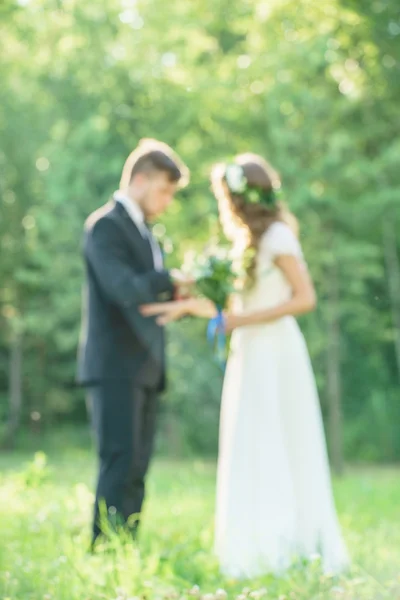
{"points": [[232, 322]]}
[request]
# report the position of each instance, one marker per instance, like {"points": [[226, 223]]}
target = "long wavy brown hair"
{"points": [[241, 219]]}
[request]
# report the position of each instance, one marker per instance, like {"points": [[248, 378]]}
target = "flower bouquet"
{"points": [[214, 278]]}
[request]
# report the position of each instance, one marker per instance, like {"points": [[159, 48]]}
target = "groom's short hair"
{"points": [[152, 156]]}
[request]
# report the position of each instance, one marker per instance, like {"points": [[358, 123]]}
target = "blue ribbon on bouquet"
{"points": [[216, 335]]}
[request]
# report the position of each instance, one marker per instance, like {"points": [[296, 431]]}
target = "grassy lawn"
{"points": [[44, 532]]}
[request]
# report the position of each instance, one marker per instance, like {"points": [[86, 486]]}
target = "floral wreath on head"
{"points": [[238, 184]]}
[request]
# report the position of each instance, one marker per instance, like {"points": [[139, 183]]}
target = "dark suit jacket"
{"points": [[116, 341]]}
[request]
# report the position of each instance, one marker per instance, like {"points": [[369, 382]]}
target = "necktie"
{"points": [[155, 249]]}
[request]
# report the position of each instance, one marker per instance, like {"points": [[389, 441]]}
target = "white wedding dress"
{"points": [[274, 496]]}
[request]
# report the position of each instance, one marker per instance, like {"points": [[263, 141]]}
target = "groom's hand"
{"points": [[166, 312]]}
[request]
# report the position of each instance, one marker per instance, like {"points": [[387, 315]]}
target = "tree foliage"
{"points": [[314, 86]]}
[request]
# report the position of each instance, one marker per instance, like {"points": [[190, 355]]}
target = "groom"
{"points": [[122, 354]]}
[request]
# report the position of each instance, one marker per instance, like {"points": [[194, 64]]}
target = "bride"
{"points": [[274, 496]]}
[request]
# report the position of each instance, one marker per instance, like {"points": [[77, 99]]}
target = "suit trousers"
{"points": [[124, 419]]}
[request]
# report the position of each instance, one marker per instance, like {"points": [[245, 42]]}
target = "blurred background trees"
{"points": [[314, 86]]}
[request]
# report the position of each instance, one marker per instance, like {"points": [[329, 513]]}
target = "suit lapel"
{"points": [[140, 245]]}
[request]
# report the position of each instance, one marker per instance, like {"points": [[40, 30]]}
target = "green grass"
{"points": [[45, 512]]}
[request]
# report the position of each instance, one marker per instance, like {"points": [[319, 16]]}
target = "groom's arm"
{"points": [[106, 254]]}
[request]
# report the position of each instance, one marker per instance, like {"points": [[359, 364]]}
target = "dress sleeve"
{"points": [[280, 240]]}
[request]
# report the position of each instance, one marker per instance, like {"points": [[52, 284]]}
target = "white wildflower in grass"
{"points": [[315, 557], [357, 581], [258, 594], [337, 591], [221, 595], [195, 591]]}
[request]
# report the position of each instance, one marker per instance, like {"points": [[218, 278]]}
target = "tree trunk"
{"points": [[392, 265], [334, 374], [15, 391]]}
